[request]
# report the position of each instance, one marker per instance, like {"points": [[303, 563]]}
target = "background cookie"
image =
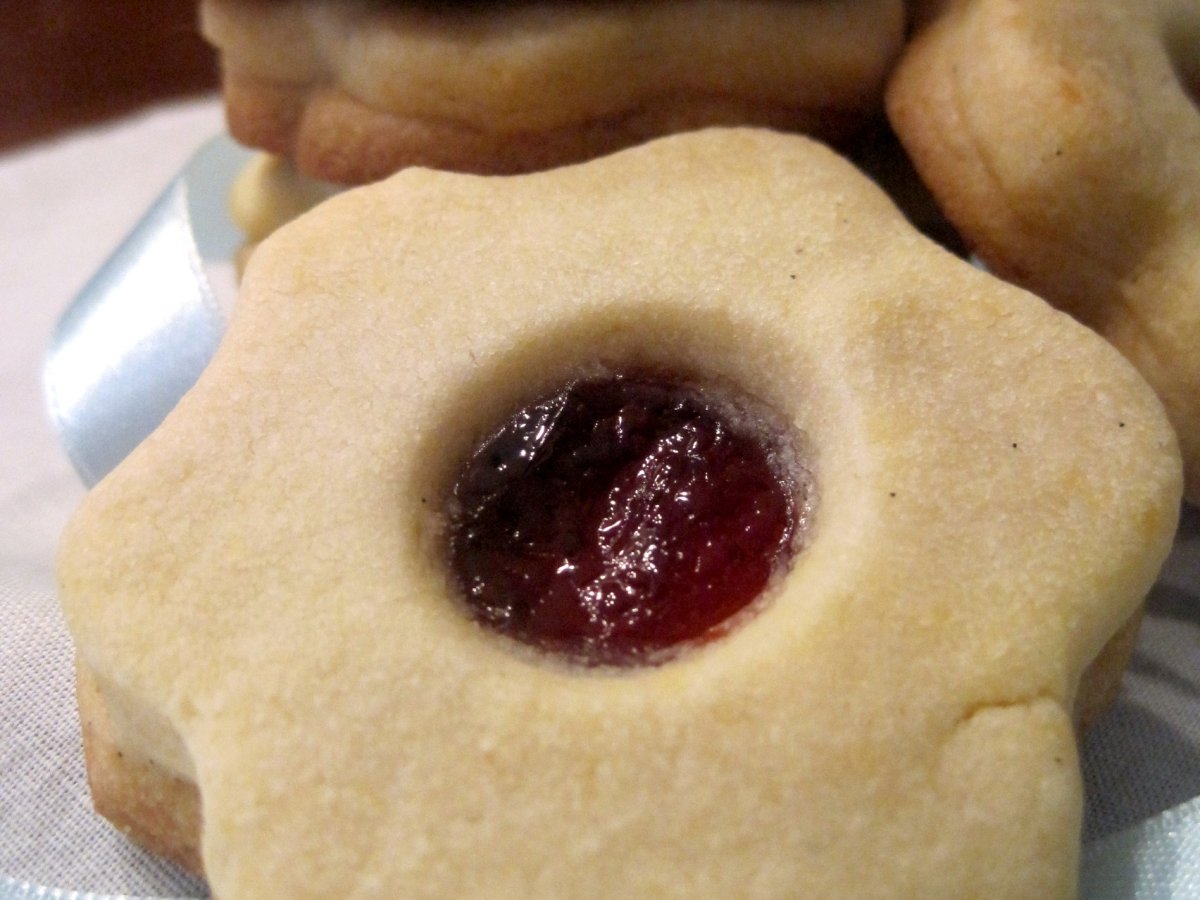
{"points": [[353, 90], [1062, 139]]}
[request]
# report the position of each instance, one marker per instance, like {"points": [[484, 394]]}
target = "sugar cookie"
{"points": [[1062, 139], [262, 596], [353, 90]]}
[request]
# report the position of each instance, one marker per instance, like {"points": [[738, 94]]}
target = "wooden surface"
{"points": [[66, 63]]}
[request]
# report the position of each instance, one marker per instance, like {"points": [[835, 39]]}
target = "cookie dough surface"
{"points": [[260, 591], [1062, 139], [355, 89]]}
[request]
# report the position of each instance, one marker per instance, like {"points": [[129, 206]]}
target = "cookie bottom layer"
{"points": [[153, 807], [334, 137]]}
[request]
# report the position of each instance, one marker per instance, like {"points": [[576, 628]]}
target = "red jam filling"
{"points": [[621, 518]]}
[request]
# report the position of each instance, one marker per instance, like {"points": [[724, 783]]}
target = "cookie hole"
{"points": [[620, 518]]}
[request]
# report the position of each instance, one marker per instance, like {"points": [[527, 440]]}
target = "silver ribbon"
{"points": [[1156, 860], [141, 331], [11, 889]]}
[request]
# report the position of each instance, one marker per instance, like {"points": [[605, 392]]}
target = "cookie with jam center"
{"points": [[265, 601]]}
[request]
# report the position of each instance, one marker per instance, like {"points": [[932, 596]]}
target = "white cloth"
{"points": [[66, 205]]}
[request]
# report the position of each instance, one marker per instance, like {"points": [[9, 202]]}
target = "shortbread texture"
{"points": [[353, 90], [1062, 138], [261, 594]]}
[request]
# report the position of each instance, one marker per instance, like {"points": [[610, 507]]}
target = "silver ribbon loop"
{"points": [[1156, 860], [11, 889], [141, 331]]}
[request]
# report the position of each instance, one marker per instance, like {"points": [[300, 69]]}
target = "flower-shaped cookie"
{"points": [[263, 605]]}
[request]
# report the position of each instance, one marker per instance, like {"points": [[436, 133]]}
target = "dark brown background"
{"points": [[65, 63]]}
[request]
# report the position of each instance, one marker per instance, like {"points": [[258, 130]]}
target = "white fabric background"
{"points": [[64, 206]]}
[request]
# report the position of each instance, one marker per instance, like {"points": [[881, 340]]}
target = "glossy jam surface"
{"points": [[619, 519]]}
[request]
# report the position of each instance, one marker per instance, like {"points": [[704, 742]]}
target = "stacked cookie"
{"points": [[343, 93], [286, 681], [354, 90]]}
